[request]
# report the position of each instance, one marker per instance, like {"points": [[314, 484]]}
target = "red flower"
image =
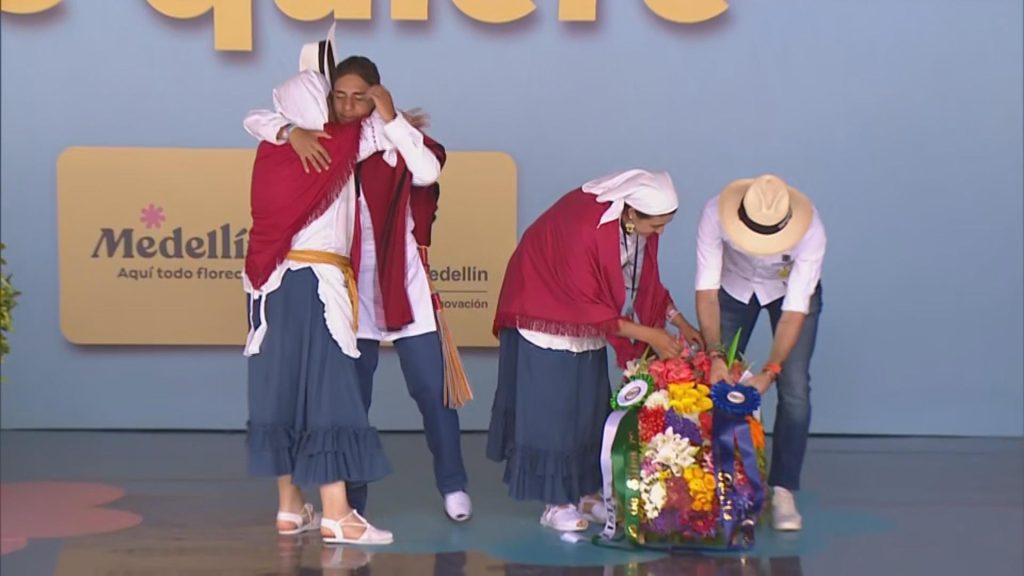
{"points": [[657, 370], [652, 422], [703, 365], [700, 523], [705, 424], [737, 370], [678, 494], [678, 371]]}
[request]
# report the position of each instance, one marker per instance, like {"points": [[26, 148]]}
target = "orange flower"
{"points": [[756, 432]]}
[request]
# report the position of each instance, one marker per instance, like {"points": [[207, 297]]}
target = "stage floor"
{"points": [[133, 503]]}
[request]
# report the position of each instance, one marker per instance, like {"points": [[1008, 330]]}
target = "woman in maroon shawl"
{"points": [[584, 275], [397, 198], [308, 423]]}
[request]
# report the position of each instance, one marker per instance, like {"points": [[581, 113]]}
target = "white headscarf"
{"points": [[649, 192], [302, 99]]}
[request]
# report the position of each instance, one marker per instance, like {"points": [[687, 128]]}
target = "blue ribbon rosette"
{"points": [[739, 401], [731, 438]]}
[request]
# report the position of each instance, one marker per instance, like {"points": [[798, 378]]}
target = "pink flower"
{"points": [[678, 371], [703, 365], [657, 370]]}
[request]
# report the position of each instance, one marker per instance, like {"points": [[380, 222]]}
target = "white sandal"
{"points": [[592, 508], [301, 525], [564, 518], [372, 536], [344, 558]]}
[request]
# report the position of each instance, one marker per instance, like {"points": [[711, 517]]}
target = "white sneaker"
{"points": [[458, 506], [785, 516]]}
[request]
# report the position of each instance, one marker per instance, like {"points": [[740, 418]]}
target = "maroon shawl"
{"points": [[565, 278], [389, 193], [284, 198]]}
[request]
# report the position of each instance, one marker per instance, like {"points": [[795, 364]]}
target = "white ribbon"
{"points": [[611, 429]]}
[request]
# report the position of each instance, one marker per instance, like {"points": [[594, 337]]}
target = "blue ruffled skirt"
{"points": [[547, 420], [306, 413]]}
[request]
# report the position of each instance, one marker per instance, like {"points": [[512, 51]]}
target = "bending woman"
{"points": [[584, 275]]}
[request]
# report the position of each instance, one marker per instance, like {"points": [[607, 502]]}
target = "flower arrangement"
{"points": [[689, 454]]}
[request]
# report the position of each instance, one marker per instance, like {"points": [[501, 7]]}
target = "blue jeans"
{"points": [[423, 367], [793, 416]]}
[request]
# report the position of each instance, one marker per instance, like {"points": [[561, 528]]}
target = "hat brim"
{"points": [[754, 243]]}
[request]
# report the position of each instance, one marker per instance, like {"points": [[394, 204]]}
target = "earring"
{"points": [[630, 227]]}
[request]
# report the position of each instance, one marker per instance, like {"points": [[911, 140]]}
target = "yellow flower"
{"points": [[705, 404], [689, 398], [702, 487]]}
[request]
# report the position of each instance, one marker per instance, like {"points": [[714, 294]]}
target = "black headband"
{"points": [[761, 228]]}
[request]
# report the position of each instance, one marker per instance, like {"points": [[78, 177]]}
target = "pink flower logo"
{"points": [[59, 510], [153, 216]]}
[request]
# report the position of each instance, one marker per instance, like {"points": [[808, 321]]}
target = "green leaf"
{"points": [[733, 348]]}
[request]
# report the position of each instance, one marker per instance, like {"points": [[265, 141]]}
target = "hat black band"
{"points": [[326, 48], [761, 228]]}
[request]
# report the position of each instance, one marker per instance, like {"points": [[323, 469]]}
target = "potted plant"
{"points": [[8, 299]]}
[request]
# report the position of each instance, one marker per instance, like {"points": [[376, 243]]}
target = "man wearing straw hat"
{"points": [[397, 170], [760, 246]]}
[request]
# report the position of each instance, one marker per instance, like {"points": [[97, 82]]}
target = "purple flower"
{"points": [[648, 467], [666, 523], [684, 427]]}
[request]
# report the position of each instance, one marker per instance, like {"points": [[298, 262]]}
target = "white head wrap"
{"points": [[302, 99], [649, 192]]}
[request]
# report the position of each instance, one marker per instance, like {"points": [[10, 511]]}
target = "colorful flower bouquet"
{"points": [[684, 461]]}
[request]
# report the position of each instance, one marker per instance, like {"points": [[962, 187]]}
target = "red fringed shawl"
{"points": [[389, 192], [565, 278], [284, 198]]}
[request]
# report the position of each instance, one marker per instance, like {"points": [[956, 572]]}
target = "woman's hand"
{"points": [[665, 345], [687, 331], [306, 144]]}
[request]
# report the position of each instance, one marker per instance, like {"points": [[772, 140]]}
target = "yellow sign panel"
{"points": [[152, 244]]}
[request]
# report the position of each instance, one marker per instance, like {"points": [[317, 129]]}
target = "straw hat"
{"points": [[764, 216], [319, 56]]}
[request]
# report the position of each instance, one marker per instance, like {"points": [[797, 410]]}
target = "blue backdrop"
{"points": [[902, 120]]}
